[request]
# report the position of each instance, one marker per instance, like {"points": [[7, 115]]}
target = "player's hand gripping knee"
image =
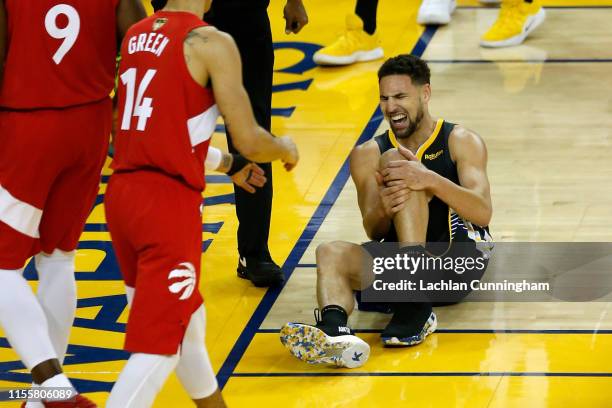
{"points": [[410, 173], [392, 198]]}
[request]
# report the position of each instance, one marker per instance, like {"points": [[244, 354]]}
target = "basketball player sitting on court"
{"points": [[413, 182], [176, 74]]}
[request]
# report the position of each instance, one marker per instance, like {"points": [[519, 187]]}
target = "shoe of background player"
{"points": [[354, 45], [261, 273], [400, 331], [436, 12], [516, 20], [335, 346]]}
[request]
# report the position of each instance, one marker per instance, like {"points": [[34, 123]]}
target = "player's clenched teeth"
{"points": [[398, 117]]}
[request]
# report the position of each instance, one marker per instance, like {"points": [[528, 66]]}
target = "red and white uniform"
{"points": [[55, 119], [165, 118], [61, 53], [153, 201]]}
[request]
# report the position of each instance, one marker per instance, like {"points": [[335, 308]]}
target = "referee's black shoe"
{"points": [[261, 273]]}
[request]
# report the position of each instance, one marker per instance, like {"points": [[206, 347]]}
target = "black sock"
{"points": [[408, 318], [412, 310], [366, 10], [334, 315]]}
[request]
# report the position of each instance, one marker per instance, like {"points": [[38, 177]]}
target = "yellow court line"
{"points": [[523, 392], [360, 392], [454, 352], [435, 392]]}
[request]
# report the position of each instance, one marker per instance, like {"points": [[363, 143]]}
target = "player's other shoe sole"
{"points": [[430, 326], [531, 23], [311, 345]]}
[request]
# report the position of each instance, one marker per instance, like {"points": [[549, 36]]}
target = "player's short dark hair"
{"points": [[406, 64], [158, 4]]}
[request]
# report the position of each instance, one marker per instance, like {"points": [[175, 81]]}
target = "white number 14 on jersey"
{"points": [[142, 109]]}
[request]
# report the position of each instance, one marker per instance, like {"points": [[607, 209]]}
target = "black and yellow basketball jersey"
{"points": [[444, 224]]}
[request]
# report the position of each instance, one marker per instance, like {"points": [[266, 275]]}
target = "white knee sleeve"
{"points": [[194, 369], [23, 320], [140, 381], [129, 294], [213, 158], [57, 295]]}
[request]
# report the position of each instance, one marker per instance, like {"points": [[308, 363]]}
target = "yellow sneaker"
{"points": [[516, 20], [352, 46]]}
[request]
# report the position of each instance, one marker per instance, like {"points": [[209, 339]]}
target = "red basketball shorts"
{"points": [[50, 164], [155, 223]]}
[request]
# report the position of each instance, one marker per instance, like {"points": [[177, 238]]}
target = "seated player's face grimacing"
{"points": [[402, 103]]}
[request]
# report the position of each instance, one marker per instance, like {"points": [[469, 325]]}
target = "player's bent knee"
{"points": [[389, 156], [418, 199], [327, 252], [417, 195], [335, 251]]}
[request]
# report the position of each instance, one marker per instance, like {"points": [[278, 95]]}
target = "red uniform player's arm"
{"points": [[129, 12]]}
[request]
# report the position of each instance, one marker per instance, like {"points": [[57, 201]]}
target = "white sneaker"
{"points": [[313, 346], [436, 12]]}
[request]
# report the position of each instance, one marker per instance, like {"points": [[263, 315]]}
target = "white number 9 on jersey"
{"points": [[69, 33]]}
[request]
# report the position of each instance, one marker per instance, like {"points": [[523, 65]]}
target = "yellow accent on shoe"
{"points": [[516, 20], [352, 46]]}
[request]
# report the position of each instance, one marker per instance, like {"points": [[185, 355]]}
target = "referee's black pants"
{"points": [[250, 28]]}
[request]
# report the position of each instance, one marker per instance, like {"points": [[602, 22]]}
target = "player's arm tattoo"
{"points": [[193, 37], [192, 40]]}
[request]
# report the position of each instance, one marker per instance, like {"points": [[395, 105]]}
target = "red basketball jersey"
{"points": [[165, 118], [60, 53]]}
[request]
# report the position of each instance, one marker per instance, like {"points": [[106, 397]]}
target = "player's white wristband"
{"points": [[213, 158]]}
